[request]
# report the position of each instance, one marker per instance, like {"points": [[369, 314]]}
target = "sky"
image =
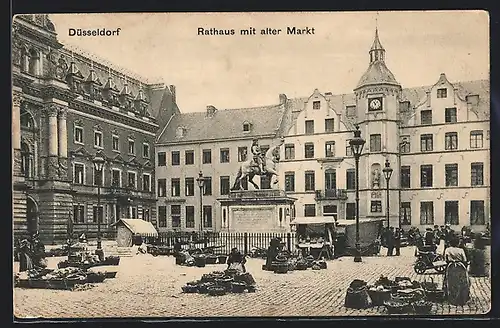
{"points": [[236, 71]]}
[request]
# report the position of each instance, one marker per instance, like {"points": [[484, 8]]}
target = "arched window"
{"points": [[27, 167], [27, 120], [25, 59], [34, 62]]}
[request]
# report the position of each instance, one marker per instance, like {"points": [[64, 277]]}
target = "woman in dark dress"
{"points": [[236, 261], [456, 279]]}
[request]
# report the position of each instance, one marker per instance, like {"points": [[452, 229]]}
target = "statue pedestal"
{"points": [[253, 211]]}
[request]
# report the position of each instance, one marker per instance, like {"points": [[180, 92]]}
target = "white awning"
{"points": [[313, 220], [139, 227]]}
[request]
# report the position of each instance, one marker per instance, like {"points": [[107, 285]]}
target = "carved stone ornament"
{"points": [[376, 178], [63, 168], [61, 68], [17, 46], [63, 112], [52, 110], [53, 167], [52, 63], [17, 99]]}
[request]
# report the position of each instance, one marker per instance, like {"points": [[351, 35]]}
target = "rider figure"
{"points": [[257, 155]]}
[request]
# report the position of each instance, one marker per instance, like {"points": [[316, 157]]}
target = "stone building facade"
{"points": [[435, 138], [69, 108]]}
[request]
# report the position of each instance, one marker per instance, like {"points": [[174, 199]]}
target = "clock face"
{"points": [[375, 104]]}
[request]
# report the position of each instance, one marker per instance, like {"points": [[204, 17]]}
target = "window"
{"points": [[451, 212], [405, 213], [426, 142], [131, 146], [476, 139], [132, 180], [426, 176], [476, 174], [78, 213], [146, 182], [207, 186], [289, 181], [426, 213], [309, 127], [330, 210], [189, 216], [309, 181], [176, 187], [224, 185], [442, 93], [348, 149], [145, 150], [309, 150], [350, 211], [451, 175], [175, 214], [207, 156], [450, 141], [330, 149], [316, 104], [189, 157], [329, 125], [176, 157], [162, 187], [330, 179], [405, 177], [224, 155], [116, 178], [116, 143], [404, 144], [132, 212], [289, 151], [242, 154], [98, 139], [79, 174], [477, 212], [207, 216], [426, 117], [162, 159], [98, 214], [246, 127], [375, 142], [189, 182], [309, 210], [98, 177], [78, 135], [376, 206], [146, 216], [450, 115], [350, 179], [162, 216]]}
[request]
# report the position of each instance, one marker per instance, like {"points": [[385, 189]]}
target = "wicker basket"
{"points": [[211, 259], [398, 307], [280, 267], [217, 291], [222, 259], [379, 296]]}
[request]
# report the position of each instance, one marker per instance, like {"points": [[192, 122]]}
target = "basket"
{"points": [[322, 264], [95, 277], [422, 307], [398, 307], [110, 274], [379, 296], [189, 289], [211, 260], [203, 287], [216, 291], [224, 283], [281, 267], [200, 261], [222, 259], [435, 295], [111, 260], [238, 287]]}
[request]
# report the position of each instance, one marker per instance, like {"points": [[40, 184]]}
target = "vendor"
{"points": [[272, 251], [236, 261]]}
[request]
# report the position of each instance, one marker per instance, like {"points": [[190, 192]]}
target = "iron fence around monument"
{"points": [[223, 242]]}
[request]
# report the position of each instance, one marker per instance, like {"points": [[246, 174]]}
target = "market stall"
{"points": [[369, 233], [315, 236]]}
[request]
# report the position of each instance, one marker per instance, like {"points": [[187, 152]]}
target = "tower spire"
{"points": [[377, 51]]}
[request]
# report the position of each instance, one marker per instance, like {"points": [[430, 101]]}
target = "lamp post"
{"points": [[387, 174], [201, 183], [357, 144], [98, 166]]}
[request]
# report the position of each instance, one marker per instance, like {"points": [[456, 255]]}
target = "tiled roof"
{"points": [[377, 73], [223, 124]]}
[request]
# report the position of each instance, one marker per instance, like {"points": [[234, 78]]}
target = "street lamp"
{"points": [[357, 144], [98, 166], [201, 184], [387, 174]]}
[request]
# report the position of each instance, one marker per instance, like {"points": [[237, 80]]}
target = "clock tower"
{"points": [[377, 105]]}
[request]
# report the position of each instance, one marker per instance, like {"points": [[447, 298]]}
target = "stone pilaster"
{"points": [[16, 133], [63, 144], [55, 208], [53, 160]]}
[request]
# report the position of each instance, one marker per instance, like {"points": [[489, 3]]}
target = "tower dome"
{"points": [[377, 72]]}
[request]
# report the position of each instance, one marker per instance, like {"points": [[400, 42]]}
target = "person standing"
{"points": [[429, 237], [397, 241], [456, 279], [390, 241]]}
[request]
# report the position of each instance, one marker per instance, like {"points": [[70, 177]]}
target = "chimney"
{"points": [[328, 93], [172, 91], [211, 111], [283, 99]]}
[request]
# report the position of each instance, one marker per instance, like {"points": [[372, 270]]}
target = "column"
{"points": [[16, 132], [53, 160], [63, 143]]}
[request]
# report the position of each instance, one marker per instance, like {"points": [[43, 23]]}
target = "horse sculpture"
{"points": [[250, 169]]}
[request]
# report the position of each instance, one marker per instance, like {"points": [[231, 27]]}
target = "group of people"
{"points": [[31, 253], [391, 239]]}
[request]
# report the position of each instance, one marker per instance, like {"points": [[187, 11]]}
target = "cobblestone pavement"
{"points": [[148, 286]]}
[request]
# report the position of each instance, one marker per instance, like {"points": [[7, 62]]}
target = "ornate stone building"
{"points": [[69, 108]]}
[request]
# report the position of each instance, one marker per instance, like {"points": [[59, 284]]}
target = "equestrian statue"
{"points": [[261, 164]]}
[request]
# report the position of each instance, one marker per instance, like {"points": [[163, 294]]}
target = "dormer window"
{"points": [[179, 133], [316, 104], [246, 127], [442, 93]]}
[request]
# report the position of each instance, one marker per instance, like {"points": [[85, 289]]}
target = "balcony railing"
{"points": [[331, 194]]}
